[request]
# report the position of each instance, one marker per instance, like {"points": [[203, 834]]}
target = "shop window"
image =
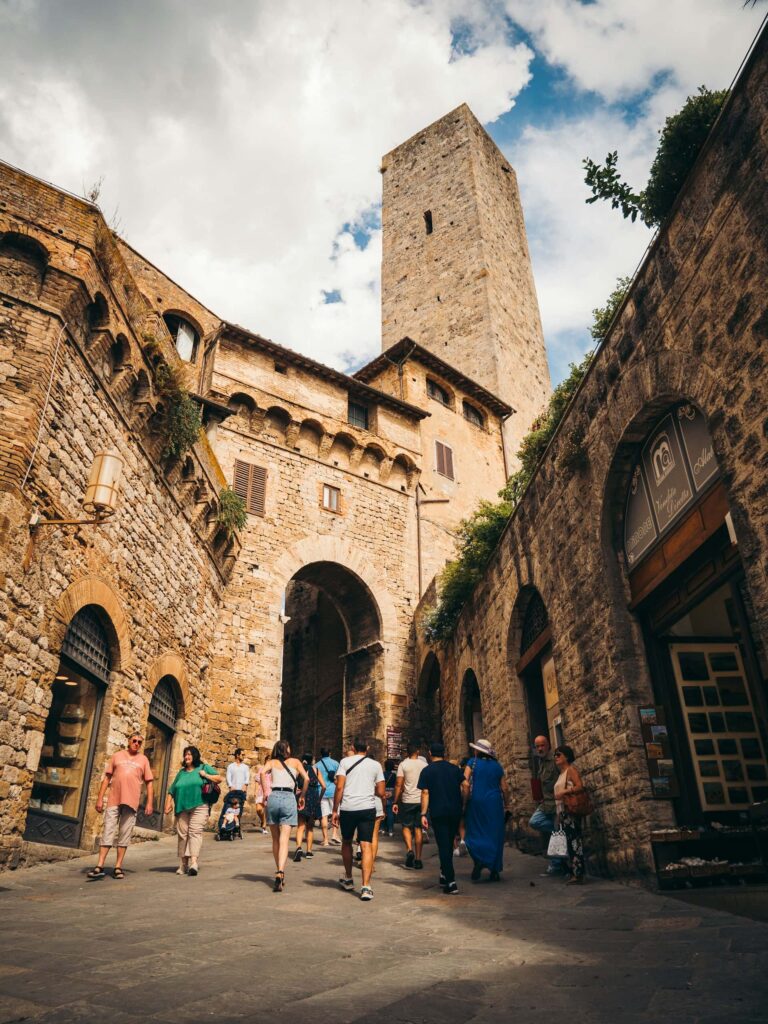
{"points": [[438, 392], [250, 482], [331, 498], [60, 786], [444, 460], [357, 415], [184, 335], [473, 414]]}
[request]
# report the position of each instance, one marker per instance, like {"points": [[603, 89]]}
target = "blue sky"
{"points": [[240, 143]]}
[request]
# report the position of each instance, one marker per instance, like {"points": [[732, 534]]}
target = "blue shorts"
{"points": [[281, 809]]}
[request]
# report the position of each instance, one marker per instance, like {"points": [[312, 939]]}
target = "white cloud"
{"points": [[617, 47]]}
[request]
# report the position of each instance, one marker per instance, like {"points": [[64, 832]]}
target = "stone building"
{"points": [[159, 619], [625, 610]]}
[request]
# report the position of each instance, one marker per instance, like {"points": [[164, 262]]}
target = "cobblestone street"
{"points": [[223, 947]]}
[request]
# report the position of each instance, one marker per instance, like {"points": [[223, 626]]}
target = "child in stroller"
{"points": [[229, 819]]}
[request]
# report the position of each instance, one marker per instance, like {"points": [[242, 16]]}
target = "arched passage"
{"points": [[429, 705], [332, 663], [530, 646], [471, 707]]}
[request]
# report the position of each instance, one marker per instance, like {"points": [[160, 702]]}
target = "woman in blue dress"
{"points": [[488, 804]]}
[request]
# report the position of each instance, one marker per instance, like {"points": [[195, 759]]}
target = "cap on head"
{"points": [[437, 749]]}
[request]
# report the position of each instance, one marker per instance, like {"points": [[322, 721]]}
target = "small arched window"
{"points": [[438, 392], [473, 414], [184, 335]]}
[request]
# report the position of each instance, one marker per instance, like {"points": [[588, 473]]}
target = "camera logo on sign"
{"points": [[662, 459]]}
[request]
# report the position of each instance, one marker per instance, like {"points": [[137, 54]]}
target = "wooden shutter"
{"points": [[444, 459], [250, 482]]}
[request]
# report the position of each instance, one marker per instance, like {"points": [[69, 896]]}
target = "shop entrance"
{"points": [[332, 654], [60, 788], [158, 744], [536, 669], [706, 748]]}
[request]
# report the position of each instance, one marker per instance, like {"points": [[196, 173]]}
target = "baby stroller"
{"points": [[228, 828]]}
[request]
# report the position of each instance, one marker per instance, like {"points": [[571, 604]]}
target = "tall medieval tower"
{"points": [[456, 271]]}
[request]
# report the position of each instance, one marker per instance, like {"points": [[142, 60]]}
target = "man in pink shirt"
{"points": [[123, 776]]}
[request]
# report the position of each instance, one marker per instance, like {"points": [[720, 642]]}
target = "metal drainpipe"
{"points": [[503, 445]]}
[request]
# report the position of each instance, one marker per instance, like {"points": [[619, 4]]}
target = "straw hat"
{"points": [[484, 747]]}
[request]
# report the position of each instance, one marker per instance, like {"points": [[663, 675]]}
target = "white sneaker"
{"points": [[366, 893], [457, 852], [348, 884]]}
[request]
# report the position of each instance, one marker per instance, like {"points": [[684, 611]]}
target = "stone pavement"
{"points": [[222, 947]]}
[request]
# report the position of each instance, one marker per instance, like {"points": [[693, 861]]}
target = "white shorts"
{"points": [[118, 826], [326, 808]]}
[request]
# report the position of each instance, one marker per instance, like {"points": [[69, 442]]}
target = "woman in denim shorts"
{"points": [[283, 805]]}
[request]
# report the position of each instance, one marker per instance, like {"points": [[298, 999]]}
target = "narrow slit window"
{"points": [[444, 460], [331, 498], [428, 221], [250, 482]]}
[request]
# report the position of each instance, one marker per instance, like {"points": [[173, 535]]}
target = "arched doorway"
{"points": [[705, 734], [428, 701], [471, 707], [158, 746], [60, 787], [331, 661], [536, 667]]}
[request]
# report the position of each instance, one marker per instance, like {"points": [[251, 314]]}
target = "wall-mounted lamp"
{"points": [[101, 494]]}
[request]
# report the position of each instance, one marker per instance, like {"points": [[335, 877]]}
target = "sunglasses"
{"points": [[137, 742]]}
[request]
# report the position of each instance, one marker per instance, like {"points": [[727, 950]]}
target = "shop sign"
{"points": [[395, 744], [676, 464], [551, 697]]}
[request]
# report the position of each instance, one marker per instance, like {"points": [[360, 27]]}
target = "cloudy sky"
{"points": [[239, 141]]}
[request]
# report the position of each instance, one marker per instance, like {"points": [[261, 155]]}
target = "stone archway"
{"points": [[471, 707], [332, 666], [429, 705]]}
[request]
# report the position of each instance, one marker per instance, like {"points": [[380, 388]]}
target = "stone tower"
{"points": [[456, 272]]}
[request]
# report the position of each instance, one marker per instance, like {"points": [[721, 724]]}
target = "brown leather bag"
{"points": [[577, 804]]}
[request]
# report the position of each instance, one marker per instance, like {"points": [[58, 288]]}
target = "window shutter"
{"points": [[444, 459], [250, 483]]}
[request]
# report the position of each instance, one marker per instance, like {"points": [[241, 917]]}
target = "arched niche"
{"points": [[23, 263], [471, 710], [276, 423], [428, 700], [244, 407], [310, 436], [341, 450]]}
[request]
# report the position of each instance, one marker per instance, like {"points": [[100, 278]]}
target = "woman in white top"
{"points": [[283, 805], [569, 782]]}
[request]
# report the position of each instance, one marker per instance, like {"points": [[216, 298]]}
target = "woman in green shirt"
{"points": [[185, 797]]}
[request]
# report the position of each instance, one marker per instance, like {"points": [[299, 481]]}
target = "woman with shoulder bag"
{"points": [[573, 805], [186, 798], [283, 805]]}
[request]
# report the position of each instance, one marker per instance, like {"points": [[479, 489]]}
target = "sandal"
{"points": [[96, 873], [118, 873], [279, 881]]}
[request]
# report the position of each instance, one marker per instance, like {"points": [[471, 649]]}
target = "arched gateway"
{"points": [[332, 665]]}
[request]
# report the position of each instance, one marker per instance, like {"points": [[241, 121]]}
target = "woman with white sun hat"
{"points": [[488, 805]]}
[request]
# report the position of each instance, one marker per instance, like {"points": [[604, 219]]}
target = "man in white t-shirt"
{"points": [[407, 804], [359, 780]]}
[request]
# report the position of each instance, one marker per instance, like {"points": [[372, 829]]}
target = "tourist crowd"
{"points": [[466, 805]]}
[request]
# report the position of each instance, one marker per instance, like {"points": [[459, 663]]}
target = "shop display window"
{"points": [[61, 777], [727, 750]]}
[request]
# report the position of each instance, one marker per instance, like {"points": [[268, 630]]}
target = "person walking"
{"points": [[283, 804], [408, 812], [311, 809], [488, 795], [238, 777], [185, 798], [442, 795], [328, 766], [359, 780], [390, 781], [123, 776], [543, 818], [568, 787], [262, 786]]}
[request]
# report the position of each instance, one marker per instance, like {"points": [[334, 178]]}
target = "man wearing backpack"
{"points": [[328, 767], [359, 780]]}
